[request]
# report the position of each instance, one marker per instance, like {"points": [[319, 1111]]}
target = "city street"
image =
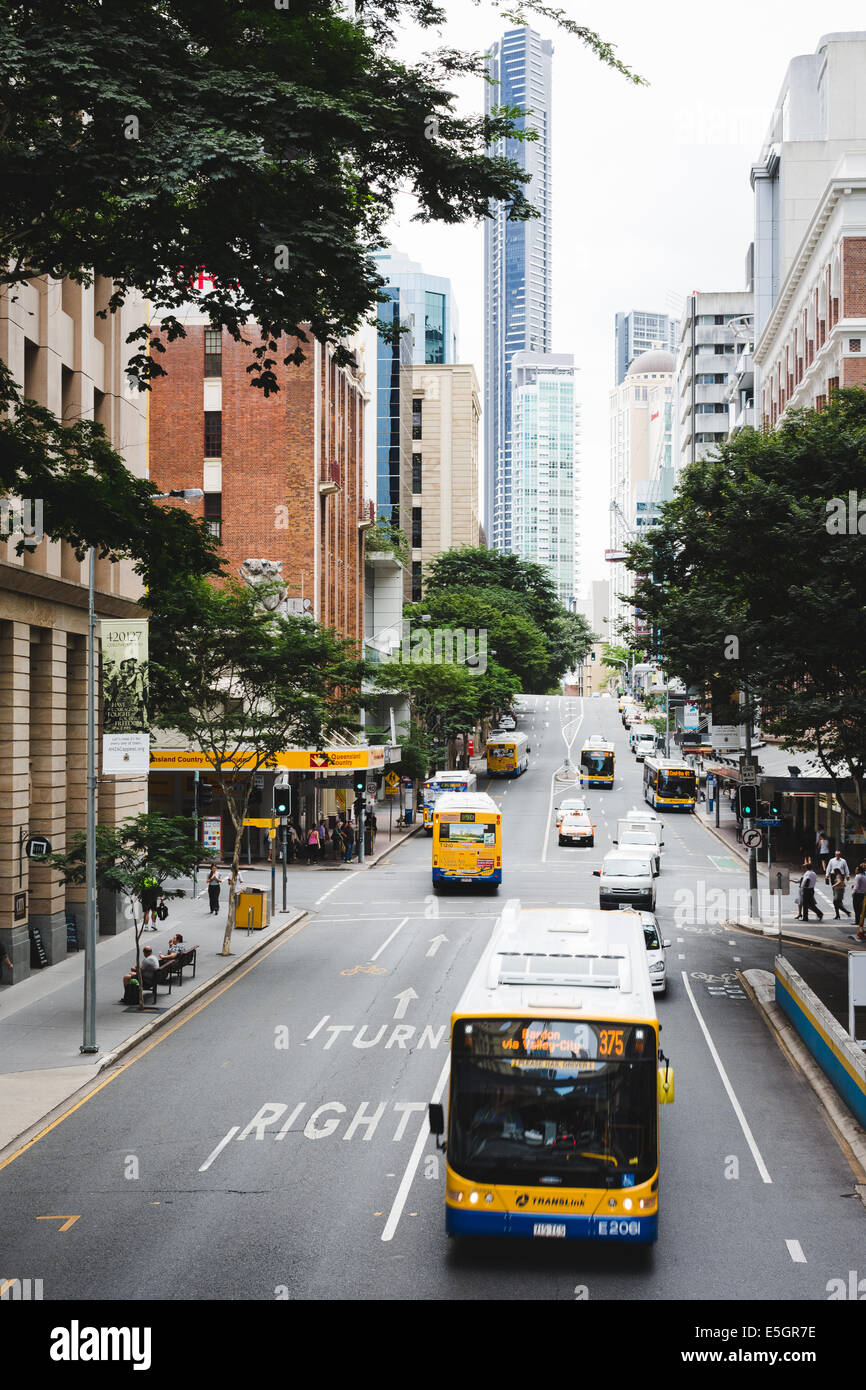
{"points": [[273, 1142]]}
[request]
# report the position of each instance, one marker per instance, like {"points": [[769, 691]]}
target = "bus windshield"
{"points": [[573, 1103], [598, 764], [677, 783], [468, 832]]}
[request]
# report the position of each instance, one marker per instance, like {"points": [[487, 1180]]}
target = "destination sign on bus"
{"points": [[560, 1039]]}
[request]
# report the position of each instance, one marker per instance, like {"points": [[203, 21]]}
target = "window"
{"points": [[213, 352], [213, 434], [213, 510], [416, 473], [416, 417], [416, 580], [434, 327], [416, 526]]}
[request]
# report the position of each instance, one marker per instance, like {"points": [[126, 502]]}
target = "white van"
{"points": [[635, 830], [645, 746], [627, 876]]}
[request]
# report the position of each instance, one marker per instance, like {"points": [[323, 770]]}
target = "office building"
{"points": [[544, 482], [638, 331], [517, 308], [446, 411], [714, 329]]}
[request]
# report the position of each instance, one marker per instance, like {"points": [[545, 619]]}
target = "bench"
{"points": [[181, 961], [163, 976]]}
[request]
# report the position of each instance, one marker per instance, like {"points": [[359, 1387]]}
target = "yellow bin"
{"points": [[251, 909]]}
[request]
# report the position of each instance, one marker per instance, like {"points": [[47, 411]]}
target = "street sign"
{"points": [[37, 847], [780, 881], [753, 839], [749, 776]]}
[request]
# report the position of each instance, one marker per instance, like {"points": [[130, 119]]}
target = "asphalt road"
{"points": [[274, 1142]]}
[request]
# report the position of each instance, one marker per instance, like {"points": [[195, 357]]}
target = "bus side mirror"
{"points": [[665, 1083], [436, 1115], [596, 873], [614, 842]]}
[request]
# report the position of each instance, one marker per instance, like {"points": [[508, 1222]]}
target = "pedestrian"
{"points": [[733, 795], [213, 883], [858, 896], [823, 850], [323, 837], [807, 864], [313, 845], [149, 900], [807, 885], [837, 877], [374, 826], [349, 840], [291, 844]]}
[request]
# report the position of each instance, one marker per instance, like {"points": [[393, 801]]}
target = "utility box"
{"points": [[252, 909]]}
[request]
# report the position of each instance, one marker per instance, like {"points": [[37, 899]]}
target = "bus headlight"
{"points": [[473, 1197], [627, 1203]]}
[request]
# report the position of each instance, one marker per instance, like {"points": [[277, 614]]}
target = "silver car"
{"points": [[656, 947]]}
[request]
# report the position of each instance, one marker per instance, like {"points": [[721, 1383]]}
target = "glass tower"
{"points": [[517, 261], [544, 488]]}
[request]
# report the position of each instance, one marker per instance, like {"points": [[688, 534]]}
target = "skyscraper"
{"points": [[517, 261], [637, 332], [544, 501]]}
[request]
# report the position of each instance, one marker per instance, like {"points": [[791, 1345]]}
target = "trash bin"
{"points": [[368, 837], [251, 909], [407, 816]]}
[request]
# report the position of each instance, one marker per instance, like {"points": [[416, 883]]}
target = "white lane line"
{"points": [[795, 1250], [219, 1148], [680, 956], [414, 1159], [398, 927], [347, 879], [738, 1110]]}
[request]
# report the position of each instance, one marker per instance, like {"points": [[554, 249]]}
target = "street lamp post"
{"points": [[89, 1043]]}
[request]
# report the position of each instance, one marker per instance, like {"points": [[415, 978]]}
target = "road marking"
{"points": [[347, 878], [680, 956], [795, 1250], [404, 999], [67, 1221], [435, 943], [219, 1148], [321, 1023], [398, 927], [414, 1159], [725, 863], [738, 1110]]}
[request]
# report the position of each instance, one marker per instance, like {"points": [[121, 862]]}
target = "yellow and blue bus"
{"points": [[597, 762], [467, 840], [669, 783], [507, 754], [553, 1107], [444, 782]]}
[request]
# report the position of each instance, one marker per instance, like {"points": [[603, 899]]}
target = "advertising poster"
{"points": [[212, 834], [125, 729]]}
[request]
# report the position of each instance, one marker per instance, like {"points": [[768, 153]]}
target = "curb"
{"points": [[760, 987], [233, 963], [766, 931]]}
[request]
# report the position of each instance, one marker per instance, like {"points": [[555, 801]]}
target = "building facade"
{"points": [[446, 410], [283, 475], [517, 257], [73, 362], [713, 330], [641, 465], [638, 331], [427, 307], [544, 524]]}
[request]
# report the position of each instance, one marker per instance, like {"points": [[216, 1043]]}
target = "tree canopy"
{"points": [[262, 142], [754, 576]]}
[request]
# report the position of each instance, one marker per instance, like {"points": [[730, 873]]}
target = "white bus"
{"points": [[444, 782]]}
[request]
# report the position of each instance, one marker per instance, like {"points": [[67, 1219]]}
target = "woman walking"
{"points": [[858, 894], [212, 883], [313, 845]]}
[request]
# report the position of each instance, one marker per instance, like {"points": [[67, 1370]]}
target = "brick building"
{"points": [[282, 475], [69, 360]]}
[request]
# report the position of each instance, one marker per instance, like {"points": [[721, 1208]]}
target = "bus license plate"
{"points": [[547, 1228]]}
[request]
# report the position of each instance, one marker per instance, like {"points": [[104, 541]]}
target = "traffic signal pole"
{"points": [[754, 910]]}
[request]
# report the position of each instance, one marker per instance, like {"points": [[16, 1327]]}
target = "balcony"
{"points": [[332, 482], [367, 517]]}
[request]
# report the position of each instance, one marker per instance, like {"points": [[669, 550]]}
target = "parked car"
{"points": [[576, 828], [656, 947]]}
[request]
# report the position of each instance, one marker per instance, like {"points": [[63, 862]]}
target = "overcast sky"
{"points": [[651, 193]]}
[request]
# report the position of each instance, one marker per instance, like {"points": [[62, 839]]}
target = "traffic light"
{"points": [[360, 786], [205, 794], [282, 801], [773, 805], [747, 803]]}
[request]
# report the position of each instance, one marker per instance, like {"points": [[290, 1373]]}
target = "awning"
{"points": [[293, 760]]}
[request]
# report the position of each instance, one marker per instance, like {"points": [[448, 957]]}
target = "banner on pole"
{"points": [[125, 728]]}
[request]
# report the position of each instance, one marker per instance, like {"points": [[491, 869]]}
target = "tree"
{"points": [[263, 144], [511, 638], [754, 579], [146, 846], [447, 699], [242, 685]]}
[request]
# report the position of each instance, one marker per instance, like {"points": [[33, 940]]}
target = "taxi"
{"points": [[576, 828]]}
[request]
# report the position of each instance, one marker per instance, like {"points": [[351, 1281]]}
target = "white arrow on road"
{"points": [[435, 943], [403, 1002]]}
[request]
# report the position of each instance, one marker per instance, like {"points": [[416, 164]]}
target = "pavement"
{"points": [[837, 935], [42, 1017]]}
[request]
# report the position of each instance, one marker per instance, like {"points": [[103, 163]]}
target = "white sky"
{"points": [[651, 193]]}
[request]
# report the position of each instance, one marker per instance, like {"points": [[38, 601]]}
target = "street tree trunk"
{"points": [[238, 823]]}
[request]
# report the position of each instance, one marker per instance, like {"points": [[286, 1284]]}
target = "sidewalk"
{"points": [[827, 933], [385, 845]]}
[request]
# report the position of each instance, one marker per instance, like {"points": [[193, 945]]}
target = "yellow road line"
{"points": [[190, 1013]]}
